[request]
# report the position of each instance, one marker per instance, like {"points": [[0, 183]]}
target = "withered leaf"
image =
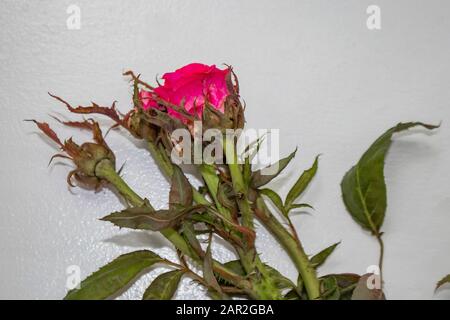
{"points": [[110, 112]]}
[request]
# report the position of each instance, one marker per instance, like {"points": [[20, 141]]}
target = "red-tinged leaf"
{"points": [[45, 128], [71, 147], [110, 112], [88, 124], [85, 124]]}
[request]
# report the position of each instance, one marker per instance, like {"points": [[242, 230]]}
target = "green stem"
{"points": [[293, 247], [250, 259], [238, 181], [380, 262]]}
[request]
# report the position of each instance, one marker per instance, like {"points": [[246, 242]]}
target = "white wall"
{"points": [[310, 68]]}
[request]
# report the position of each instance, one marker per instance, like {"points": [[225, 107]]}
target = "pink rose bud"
{"points": [[190, 87]]}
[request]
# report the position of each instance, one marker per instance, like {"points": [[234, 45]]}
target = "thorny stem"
{"points": [[293, 231], [250, 260], [294, 249]]}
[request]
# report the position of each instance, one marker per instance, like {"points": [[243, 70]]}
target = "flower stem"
{"points": [[293, 247]]}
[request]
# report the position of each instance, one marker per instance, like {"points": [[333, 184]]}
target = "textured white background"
{"points": [[310, 68]]}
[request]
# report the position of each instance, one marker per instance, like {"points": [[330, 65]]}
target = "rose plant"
{"points": [[232, 197]]}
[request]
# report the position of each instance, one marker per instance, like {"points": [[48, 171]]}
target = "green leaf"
{"points": [[164, 286], [330, 289], [346, 283], [362, 292], [145, 218], [318, 259], [301, 184], [259, 178], [180, 189], [363, 186], [443, 281], [275, 198], [114, 276], [280, 281]]}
